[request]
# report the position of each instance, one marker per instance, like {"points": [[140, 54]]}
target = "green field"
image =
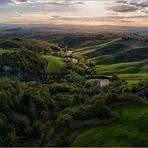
{"points": [[123, 68], [115, 48], [90, 50], [104, 59], [134, 76], [107, 55], [55, 64], [131, 71], [2, 51], [129, 131]]}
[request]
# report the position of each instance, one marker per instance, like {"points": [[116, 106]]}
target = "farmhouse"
{"points": [[71, 59]]}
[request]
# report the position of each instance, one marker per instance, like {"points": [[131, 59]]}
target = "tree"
{"points": [[63, 122], [114, 77], [11, 139]]}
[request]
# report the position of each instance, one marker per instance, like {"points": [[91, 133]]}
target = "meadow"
{"points": [[123, 68], [55, 64], [125, 58], [129, 131], [2, 51]]}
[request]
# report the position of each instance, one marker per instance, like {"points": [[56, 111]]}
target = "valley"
{"points": [[73, 73], [73, 89], [116, 56]]}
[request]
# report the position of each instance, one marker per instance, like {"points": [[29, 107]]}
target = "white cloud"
{"points": [[57, 2]]}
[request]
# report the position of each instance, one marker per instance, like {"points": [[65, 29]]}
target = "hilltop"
{"points": [[52, 28]]}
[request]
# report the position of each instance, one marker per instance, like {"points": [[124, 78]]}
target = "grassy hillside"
{"points": [[134, 54], [46, 100], [2, 51], [55, 64], [134, 76], [129, 131], [118, 55], [104, 59], [90, 50], [114, 50], [39, 46], [123, 68]]}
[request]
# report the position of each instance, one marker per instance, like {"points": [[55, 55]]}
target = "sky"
{"points": [[82, 12]]}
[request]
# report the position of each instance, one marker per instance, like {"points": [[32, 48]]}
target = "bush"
{"points": [[84, 112], [63, 122], [22, 65], [100, 108], [111, 98], [131, 97]]}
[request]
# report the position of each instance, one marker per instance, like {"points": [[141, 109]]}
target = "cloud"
{"points": [[57, 2], [19, 1], [4, 1], [142, 3], [123, 8], [121, 1], [17, 15], [75, 11]]}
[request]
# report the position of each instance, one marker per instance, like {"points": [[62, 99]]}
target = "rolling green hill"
{"points": [[118, 49], [129, 131], [48, 96], [134, 54], [123, 68], [117, 56], [55, 64], [39, 46], [90, 50], [2, 51]]}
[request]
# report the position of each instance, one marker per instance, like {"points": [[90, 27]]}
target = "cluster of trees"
{"points": [[40, 109], [37, 114], [42, 47], [134, 37], [72, 40], [22, 65], [72, 73], [26, 65]]}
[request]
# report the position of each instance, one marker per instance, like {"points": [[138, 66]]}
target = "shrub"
{"points": [[100, 109], [111, 98], [63, 122], [131, 97]]}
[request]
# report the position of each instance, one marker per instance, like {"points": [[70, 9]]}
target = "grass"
{"points": [[134, 76], [105, 59], [55, 64], [91, 43], [129, 131], [103, 54], [2, 51], [132, 82], [91, 50], [123, 68]]}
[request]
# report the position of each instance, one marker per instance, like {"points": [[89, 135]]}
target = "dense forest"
{"points": [[51, 89]]}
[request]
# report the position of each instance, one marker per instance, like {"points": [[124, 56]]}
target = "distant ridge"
{"points": [[71, 28]]}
